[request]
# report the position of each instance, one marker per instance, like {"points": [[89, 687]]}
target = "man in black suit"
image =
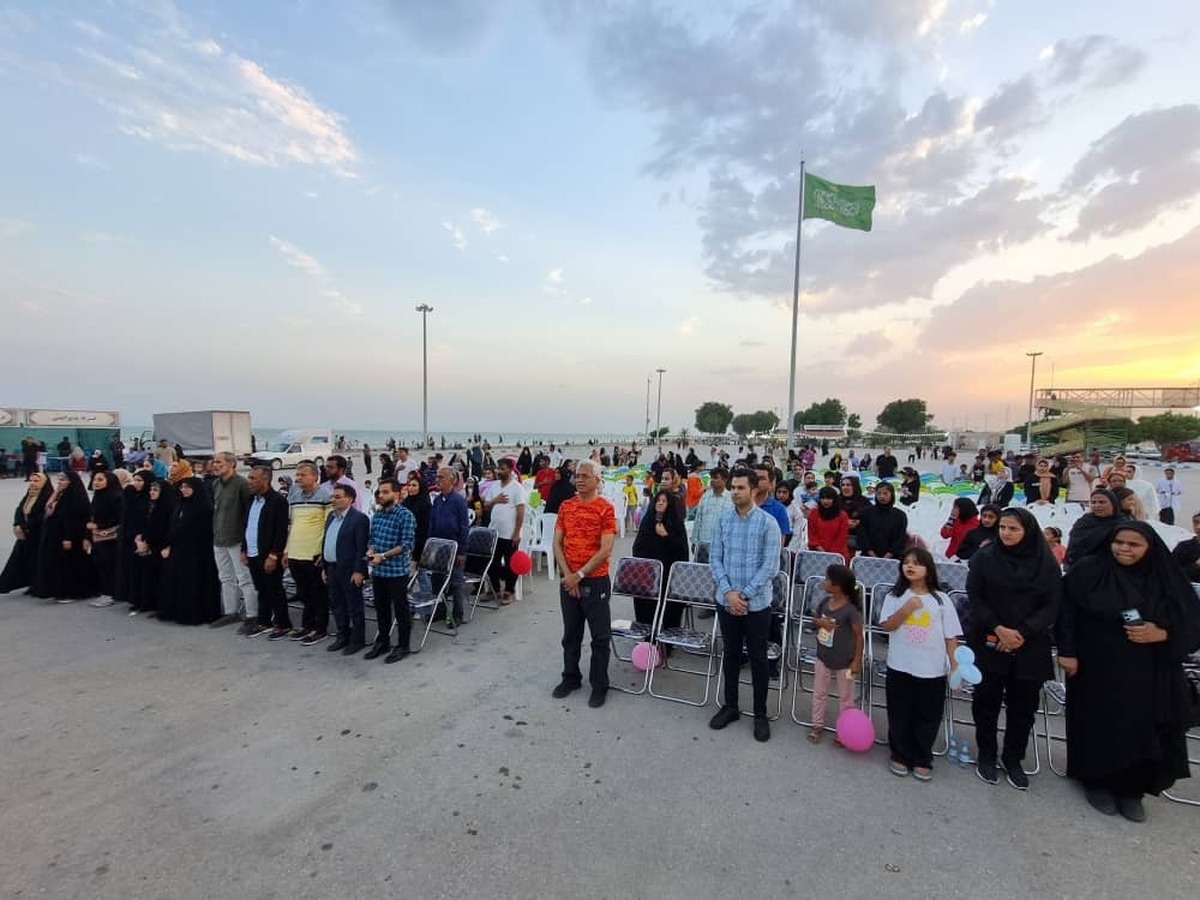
{"points": [[264, 539], [347, 532]]}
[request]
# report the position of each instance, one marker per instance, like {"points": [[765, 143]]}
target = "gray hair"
{"points": [[594, 467], [228, 457], [312, 467]]}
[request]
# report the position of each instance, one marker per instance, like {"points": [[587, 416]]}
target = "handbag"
{"points": [[100, 535]]}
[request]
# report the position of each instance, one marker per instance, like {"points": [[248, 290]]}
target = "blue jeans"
{"points": [[591, 607], [458, 587]]}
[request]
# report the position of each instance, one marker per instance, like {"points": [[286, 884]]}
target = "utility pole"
{"points": [[424, 309], [658, 417], [1029, 423]]}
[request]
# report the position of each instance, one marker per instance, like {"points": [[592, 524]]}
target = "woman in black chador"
{"points": [[21, 570], [1129, 619], [191, 589], [104, 533], [65, 571], [145, 582], [133, 523]]}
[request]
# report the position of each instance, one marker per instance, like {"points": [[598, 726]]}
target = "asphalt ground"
{"points": [[141, 759]]}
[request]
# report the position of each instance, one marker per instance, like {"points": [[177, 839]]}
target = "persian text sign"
{"points": [[72, 418]]}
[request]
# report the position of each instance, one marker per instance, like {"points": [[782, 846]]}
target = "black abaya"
{"points": [[673, 548], [133, 523], [146, 580], [21, 569], [1126, 705], [107, 505], [191, 589], [66, 573]]}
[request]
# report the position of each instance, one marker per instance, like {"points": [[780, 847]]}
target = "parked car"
{"points": [[295, 446], [1184, 451]]}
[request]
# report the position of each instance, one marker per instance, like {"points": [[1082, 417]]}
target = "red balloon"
{"points": [[521, 563]]}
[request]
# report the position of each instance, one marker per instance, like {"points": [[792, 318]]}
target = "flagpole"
{"points": [[791, 415]]}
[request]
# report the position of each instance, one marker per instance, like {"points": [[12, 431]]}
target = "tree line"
{"points": [[908, 416]]}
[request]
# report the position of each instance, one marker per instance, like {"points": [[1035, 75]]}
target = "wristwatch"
{"points": [[580, 575]]}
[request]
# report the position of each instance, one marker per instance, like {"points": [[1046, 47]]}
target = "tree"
{"points": [[828, 412], [904, 416], [854, 422], [764, 421], [743, 424], [661, 433], [713, 417], [1166, 428]]}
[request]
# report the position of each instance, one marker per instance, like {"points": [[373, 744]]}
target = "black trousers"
{"points": [[750, 630], [272, 601], [1167, 515], [590, 607], [346, 602], [502, 573], [914, 710], [1020, 699], [391, 604], [644, 609], [312, 592]]}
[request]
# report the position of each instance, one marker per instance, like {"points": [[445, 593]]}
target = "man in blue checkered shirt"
{"points": [[744, 558], [389, 550]]}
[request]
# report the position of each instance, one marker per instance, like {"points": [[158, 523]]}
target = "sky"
{"points": [[222, 204]]}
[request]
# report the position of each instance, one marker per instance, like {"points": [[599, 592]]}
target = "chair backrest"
{"points": [[814, 563], [780, 588], [785, 561], [702, 552], [952, 576], [692, 583], [438, 556], [481, 541], [545, 524], [962, 606], [636, 577], [814, 595], [877, 575]]}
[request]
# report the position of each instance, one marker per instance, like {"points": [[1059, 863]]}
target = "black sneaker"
{"points": [[278, 634], [1015, 775], [256, 629], [762, 729], [299, 634], [597, 699], [563, 689], [725, 715], [986, 770], [314, 638]]}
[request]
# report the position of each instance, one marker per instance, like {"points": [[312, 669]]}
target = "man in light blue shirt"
{"points": [[744, 558]]}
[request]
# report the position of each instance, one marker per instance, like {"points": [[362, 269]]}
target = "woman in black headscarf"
{"points": [[563, 488], [1014, 587], [146, 579], [1091, 531], [983, 534], [21, 569], [1129, 619], [910, 486], [416, 501], [884, 528], [133, 522], [191, 589], [662, 536], [104, 531], [854, 504], [65, 571], [525, 462]]}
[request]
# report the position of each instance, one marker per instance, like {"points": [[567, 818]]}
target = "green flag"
{"points": [[843, 204]]}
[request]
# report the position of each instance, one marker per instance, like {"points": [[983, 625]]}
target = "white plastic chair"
{"points": [[543, 544]]}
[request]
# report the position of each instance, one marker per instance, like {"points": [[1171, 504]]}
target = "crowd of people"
{"points": [[1113, 602]]}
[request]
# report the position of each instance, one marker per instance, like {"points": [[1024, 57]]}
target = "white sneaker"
{"points": [[102, 602]]}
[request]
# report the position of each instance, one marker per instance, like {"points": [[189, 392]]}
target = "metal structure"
{"points": [[1122, 398], [1032, 374], [1099, 418], [658, 414]]}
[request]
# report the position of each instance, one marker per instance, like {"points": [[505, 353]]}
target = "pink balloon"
{"points": [[521, 563], [855, 730], [645, 656]]}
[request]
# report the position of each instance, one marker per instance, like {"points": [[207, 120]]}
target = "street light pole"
{"points": [[424, 309], [658, 415], [647, 410], [1029, 423]]}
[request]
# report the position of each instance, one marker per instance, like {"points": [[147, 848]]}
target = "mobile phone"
{"points": [[1131, 617]]}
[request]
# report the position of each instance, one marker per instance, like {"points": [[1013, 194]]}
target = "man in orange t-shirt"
{"points": [[695, 487], [583, 542]]}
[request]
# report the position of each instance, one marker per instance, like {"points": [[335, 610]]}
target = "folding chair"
{"points": [[481, 556], [636, 579], [437, 559], [780, 607], [702, 551], [693, 585], [543, 543], [952, 575], [1192, 670], [807, 565]]}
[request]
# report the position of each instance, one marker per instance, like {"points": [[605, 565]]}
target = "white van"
{"points": [[295, 446]]}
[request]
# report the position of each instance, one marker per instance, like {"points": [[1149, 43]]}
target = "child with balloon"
{"points": [[839, 626], [924, 631]]}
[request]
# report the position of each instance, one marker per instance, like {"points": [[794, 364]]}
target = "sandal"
{"points": [[922, 774], [814, 736], [507, 600], [899, 769]]}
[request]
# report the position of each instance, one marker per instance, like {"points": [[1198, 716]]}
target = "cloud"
{"points": [[90, 162], [1095, 60], [500, 257], [486, 220], [443, 28], [189, 94], [972, 23], [689, 325], [585, 301], [1145, 166], [343, 304], [298, 258], [554, 283], [869, 344], [460, 239], [14, 228]]}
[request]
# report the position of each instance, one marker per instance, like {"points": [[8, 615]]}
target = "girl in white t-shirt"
{"points": [[924, 629]]}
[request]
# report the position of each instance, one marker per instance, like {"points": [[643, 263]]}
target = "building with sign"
{"points": [[89, 429]]}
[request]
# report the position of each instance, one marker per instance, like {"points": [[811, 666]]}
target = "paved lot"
{"points": [[140, 759]]}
